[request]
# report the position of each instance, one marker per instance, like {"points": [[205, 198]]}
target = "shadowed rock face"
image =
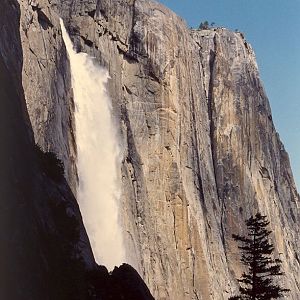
{"points": [[40, 219], [201, 151], [33, 207]]}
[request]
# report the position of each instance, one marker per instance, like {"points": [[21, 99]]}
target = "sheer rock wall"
{"points": [[200, 149]]}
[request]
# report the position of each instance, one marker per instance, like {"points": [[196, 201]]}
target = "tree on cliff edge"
{"points": [[257, 283]]}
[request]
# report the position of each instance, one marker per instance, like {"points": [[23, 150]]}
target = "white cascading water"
{"points": [[99, 157]]}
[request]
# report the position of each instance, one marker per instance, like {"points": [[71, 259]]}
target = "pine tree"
{"points": [[204, 25], [257, 250]]}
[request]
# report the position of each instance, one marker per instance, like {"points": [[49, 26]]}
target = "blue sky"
{"points": [[273, 29]]}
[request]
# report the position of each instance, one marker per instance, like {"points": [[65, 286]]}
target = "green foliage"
{"points": [[50, 164], [257, 250]]}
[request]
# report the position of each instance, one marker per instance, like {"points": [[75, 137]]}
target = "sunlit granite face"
{"points": [[200, 149]]}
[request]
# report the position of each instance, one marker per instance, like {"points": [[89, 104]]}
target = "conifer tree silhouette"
{"points": [[258, 282]]}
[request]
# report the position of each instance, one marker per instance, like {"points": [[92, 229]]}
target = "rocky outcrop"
{"points": [[122, 283], [201, 150]]}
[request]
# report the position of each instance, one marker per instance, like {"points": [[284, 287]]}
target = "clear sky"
{"points": [[273, 29]]}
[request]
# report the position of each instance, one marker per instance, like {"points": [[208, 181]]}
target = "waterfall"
{"points": [[98, 157]]}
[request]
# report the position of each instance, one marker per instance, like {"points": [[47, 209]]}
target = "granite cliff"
{"points": [[201, 150]]}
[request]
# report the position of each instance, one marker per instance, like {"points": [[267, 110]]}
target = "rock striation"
{"points": [[200, 149]]}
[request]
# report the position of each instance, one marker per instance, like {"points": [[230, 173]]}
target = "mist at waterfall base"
{"points": [[98, 157]]}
